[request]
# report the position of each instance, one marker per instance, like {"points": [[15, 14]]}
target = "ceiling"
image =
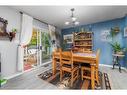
{"points": [[58, 15]]}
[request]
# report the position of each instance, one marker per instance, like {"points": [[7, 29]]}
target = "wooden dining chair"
{"points": [[56, 59], [67, 65], [87, 69]]}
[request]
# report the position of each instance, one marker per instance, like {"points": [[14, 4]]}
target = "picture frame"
{"points": [[3, 26], [125, 32], [68, 38], [105, 36]]}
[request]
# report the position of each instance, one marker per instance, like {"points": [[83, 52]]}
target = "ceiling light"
{"points": [[73, 18], [76, 23], [67, 23]]}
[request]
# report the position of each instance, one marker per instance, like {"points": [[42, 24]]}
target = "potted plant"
{"points": [[118, 49], [12, 33]]}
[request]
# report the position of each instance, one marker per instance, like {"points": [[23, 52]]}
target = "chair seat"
{"points": [[65, 62], [67, 67]]}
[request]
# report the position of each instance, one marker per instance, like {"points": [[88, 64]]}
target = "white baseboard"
{"points": [[112, 66], [12, 76], [15, 75]]}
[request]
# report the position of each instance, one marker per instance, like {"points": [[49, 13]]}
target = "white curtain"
{"points": [[52, 35], [25, 38]]}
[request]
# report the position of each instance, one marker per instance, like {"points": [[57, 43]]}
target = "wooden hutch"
{"points": [[82, 41]]}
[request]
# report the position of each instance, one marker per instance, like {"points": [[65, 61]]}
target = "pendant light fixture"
{"points": [[73, 19]]}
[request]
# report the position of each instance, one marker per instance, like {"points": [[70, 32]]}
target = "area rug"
{"points": [[78, 84]]}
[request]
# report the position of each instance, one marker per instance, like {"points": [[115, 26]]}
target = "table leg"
{"points": [[114, 62], [92, 77], [119, 68], [118, 62], [97, 76], [54, 66], [113, 66]]}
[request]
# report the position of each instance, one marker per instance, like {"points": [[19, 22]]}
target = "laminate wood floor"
{"points": [[117, 80], [30, 80]]}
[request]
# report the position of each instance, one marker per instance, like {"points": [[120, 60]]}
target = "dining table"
{"points": [[79, 58]]}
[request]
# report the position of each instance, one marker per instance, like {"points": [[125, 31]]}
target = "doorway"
{"points": [[38, 51]]}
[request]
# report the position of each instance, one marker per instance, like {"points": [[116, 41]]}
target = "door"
{"points": [[45, 46], [44, 50]]}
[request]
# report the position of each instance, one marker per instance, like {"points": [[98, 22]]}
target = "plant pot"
{"points": [[120, 52], [12, 35]]}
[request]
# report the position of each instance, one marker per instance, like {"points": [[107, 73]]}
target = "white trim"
{"points": [[20, 73], [12, 76], [112, 66], [105, 65]]}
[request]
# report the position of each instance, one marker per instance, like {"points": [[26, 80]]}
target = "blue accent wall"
{"points": [[97, 29]]}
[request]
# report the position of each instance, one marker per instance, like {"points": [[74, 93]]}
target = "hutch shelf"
{"points": [[83, 40]]}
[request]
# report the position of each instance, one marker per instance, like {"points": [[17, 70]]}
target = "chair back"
{"points": [[66, 58], [57, 51], [56, 55], [97, 57]]}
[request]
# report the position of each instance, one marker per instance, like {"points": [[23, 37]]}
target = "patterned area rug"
{"points": [[78, 84]]}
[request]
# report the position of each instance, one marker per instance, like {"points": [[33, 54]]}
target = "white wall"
{"points": [[8, 49]]}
